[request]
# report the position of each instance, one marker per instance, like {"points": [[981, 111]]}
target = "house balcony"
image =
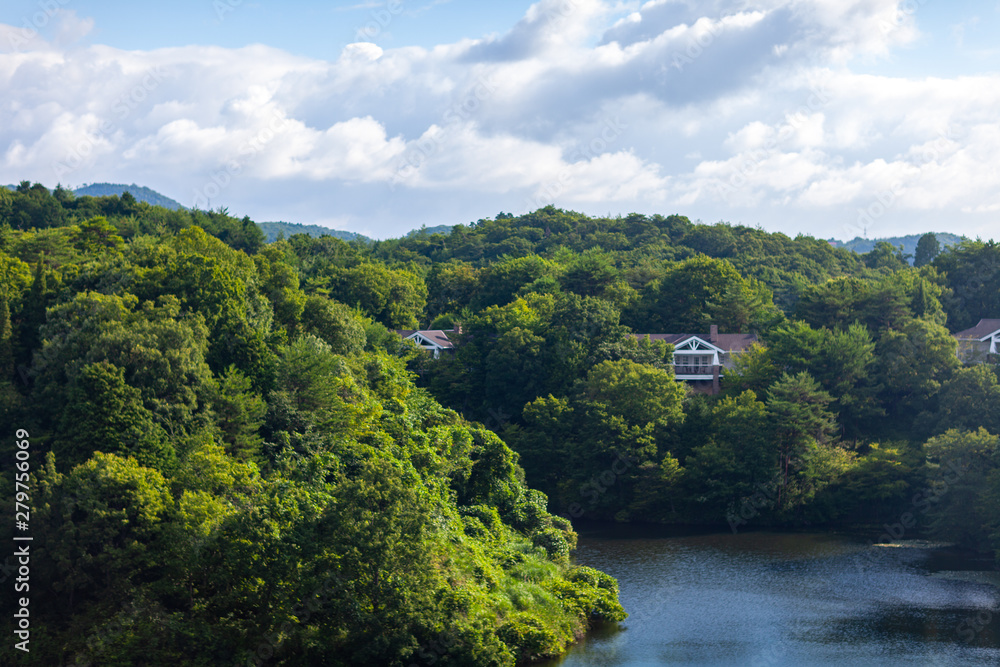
{"points": [[685, 372]]}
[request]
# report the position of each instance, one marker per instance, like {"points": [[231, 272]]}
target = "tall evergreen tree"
{"points": [[927, 249], [6, 349], [34, 309]]}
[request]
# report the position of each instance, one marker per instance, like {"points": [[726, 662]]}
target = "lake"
{"points": [[766, 599]]}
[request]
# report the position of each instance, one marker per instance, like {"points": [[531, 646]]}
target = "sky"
{"points": [[834, 118]]}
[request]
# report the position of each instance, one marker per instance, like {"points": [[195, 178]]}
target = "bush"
{"points": [[529, 638], [554, 542]]}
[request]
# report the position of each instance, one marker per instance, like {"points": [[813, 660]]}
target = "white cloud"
{"points": [[729, 113]]}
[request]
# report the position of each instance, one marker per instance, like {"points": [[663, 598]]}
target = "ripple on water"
{"points": [[785, 599]]}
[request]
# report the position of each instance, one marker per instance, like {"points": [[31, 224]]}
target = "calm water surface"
{"points": [[766, 599]]}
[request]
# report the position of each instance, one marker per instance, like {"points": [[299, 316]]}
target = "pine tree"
{"points": [[6, 349], [927, 249], [34, 309]]}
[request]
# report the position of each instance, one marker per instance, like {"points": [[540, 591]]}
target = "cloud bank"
{"points": [[740, 111]]}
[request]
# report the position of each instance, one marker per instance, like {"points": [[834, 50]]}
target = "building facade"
{"points": [[699, 358], [976, 345]]}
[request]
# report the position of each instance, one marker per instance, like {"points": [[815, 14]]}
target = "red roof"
{"points": [[981, 330], [728, 342]]}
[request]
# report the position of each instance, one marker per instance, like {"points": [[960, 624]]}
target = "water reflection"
{"points": [[768, 599]]}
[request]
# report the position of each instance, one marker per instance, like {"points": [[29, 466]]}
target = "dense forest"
{"points": [[236, 458], [228, 466]]}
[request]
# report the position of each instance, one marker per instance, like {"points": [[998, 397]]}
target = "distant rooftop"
{"points": [[437, 336], [981, 330], [728, 342]]}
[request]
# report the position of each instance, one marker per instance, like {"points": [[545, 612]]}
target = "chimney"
{"points": [[457, 327], [713, 334]]}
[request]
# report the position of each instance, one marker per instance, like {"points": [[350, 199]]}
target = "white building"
{"points": [[698, 358]]}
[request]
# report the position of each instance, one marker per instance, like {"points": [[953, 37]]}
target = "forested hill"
{"points": [[275, 230], [427, 231], [272, 230], [138, 192], [234, 455], [908, 243], [627, 250], [230, 465], [141, 193]]}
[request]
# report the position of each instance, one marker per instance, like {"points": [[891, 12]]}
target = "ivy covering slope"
{"points": [[228, 469]]}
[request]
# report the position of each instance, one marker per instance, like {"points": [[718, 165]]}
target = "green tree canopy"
{"points": [[927, 249]]}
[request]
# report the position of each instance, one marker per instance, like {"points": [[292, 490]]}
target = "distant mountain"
{"points": [[140, 192], [909, 243], [273, 229], [440, 229]]}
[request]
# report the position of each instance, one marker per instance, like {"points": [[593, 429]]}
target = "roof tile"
{"points": [[728, 342], [981, 330]]}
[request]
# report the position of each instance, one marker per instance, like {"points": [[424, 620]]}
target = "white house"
{"points": [[434, 341], [698, 357], [976, 343]]}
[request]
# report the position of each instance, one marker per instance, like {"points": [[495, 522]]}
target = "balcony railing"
{"points": [[693, 370]]}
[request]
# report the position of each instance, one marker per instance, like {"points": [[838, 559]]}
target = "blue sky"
{"points": [[956, 38], [314, 29], [829, 117]]}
